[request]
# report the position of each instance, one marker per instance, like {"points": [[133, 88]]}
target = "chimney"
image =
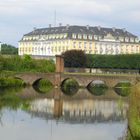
{"points": [[87, 27], [99, 28], [67, 26], [50, 25], [60, 24]]}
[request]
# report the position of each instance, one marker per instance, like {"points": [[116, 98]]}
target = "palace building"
{"points": [[53, 41]]}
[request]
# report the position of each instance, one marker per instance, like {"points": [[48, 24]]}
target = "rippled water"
{"points": [[55, 116]]}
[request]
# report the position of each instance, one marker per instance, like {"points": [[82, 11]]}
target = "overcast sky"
{"points": [[18, 17]]}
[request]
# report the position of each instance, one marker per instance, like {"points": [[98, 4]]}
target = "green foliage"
{"points": [[74, 58], [10, 99], [123, 84], [97, 89], [43, 85], [123, 88], [18, 64], [70, 86], [127, 61], [11, 82], [134, 114], [8, 49], [124, 91]]}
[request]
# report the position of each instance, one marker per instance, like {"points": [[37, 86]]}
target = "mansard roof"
{"points": [[97, 30]]}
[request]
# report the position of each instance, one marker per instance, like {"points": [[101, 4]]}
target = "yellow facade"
{"points": [[92, 40]]}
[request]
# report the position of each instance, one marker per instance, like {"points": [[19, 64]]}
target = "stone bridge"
{"points": [[83, 79], [57, 78]]}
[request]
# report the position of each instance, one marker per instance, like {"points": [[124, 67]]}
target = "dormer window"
{"points": [[79, 36], [84, 36], [95, 37], [57, 36], [74, 36], [121, 39], [50, 36], [53, 36], [65, 35], [61, 36], [46, 37], [131, 39], [90, 37], [126, 39], [136, 40]]}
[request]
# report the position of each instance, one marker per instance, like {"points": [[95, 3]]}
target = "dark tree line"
{"points": [[78, 59], [126, 61]]}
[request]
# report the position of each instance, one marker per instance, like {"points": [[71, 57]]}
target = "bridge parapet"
{"points": [[83, 80]]}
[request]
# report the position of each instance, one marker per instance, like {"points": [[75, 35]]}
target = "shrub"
{"points": [[74, 58]]}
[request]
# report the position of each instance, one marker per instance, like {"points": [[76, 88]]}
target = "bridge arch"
{"points": [[64, 80], [124, 82], [69, 86], [37, 80], [97, 82]]}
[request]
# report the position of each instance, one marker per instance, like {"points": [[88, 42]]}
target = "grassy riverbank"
{"points": [[26, 64], [134, 114], [11, 65]]}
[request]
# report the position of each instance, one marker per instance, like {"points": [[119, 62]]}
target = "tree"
{"points": [[8, 49], [74, 58]]}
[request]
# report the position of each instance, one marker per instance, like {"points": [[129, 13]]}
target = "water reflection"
{"points": [[78, 111], [56, 116], [123, 91]]}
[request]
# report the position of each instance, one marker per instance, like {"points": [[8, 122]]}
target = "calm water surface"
{"points": [[55, 116]]}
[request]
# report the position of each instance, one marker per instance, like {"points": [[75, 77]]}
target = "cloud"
{"points": [[22, 15]]}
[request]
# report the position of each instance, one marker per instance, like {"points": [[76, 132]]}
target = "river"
{"points": [[26, 114]]}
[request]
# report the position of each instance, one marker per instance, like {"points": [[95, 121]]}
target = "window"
{"points": [[136, 40], [90, 37], [74, 44], [57, 36], [137, 47], [90, 45], [61, 35], [85, 45], [126, 39], [131, 39], [121, 39], [53, 36], [95, 37], [74, 36], [84, 36], [59, 49], [50, 36], [132, 48], [79, 36], [80, 44], [101, 50], [55, 49], [65, 35]]}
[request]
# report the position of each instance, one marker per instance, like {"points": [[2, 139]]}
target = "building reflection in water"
{"points": [[74, 110]]}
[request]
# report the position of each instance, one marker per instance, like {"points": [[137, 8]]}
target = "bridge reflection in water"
{"points": [[76, 109]]}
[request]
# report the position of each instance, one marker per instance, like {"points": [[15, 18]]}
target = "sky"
{"points": [[18, 17]]}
